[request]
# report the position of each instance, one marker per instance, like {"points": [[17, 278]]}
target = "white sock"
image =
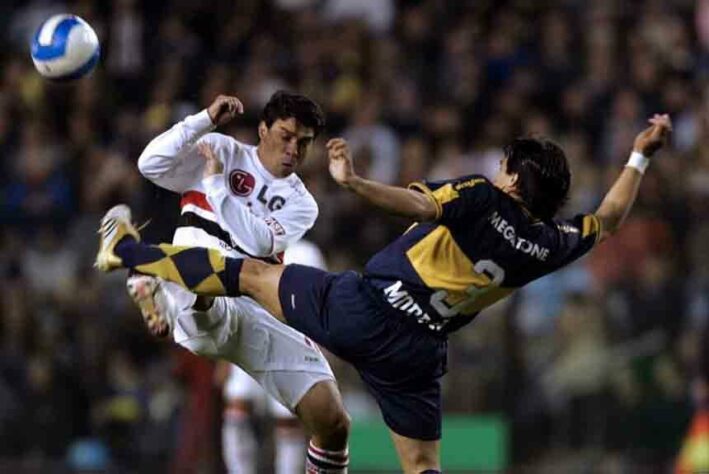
{"points": [[290, 451], [323, 461], [238, 444]]}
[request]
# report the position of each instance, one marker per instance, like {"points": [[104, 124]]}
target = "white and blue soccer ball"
{"points": [[64, 48]]}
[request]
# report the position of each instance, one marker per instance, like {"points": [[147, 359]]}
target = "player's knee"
{"points": [[332, 429], [322, 412], [342, 424], [338, 429]]}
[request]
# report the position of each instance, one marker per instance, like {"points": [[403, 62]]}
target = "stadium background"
{"points": [[597, 368]]}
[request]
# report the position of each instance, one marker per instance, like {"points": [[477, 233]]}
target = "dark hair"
{"points": [[284, 105], [543, 171]]}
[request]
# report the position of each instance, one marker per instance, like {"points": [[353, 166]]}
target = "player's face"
{"points": [[503, 180], [284, 145]]}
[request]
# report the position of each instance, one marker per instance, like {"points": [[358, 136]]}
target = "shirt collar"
{"points": [[259, 165]]}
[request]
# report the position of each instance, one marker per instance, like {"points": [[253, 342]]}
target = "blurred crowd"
{"points": [[599, 365]]}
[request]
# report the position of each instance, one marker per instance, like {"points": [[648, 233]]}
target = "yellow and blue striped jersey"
{"points": [[482, 245]]}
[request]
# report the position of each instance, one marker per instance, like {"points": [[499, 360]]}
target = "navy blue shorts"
{"points": [[400, 362]]}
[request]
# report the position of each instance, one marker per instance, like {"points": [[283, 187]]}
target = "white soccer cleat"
{"points": [[115, 225], [144, 290]]}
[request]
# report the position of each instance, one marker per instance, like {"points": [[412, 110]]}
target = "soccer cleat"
{"points": [[144, 291], [115, 225]]}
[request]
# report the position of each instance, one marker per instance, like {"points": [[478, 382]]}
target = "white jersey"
{"points": [[245, 211]]}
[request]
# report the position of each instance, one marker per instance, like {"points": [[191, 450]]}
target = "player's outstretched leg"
{"points": [[202, 271]]}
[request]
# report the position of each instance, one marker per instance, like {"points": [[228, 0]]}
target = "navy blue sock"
{"points": [[133, 253], [232, 270], [190, 267]]}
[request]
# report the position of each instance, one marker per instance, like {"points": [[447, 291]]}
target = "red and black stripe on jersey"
{"points": [[192, 219]]}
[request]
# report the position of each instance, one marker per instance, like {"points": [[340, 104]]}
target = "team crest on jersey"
{"points": [[275, 226], [241, 182]]}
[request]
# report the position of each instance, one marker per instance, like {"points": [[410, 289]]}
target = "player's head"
{"points": [[536, 171], [289, 124]]}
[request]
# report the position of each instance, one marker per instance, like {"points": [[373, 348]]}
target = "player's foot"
{"points": [[115, 225], [144, 291]]}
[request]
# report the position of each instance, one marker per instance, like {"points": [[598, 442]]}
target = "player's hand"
{"points": [[212, 165], [655, 136], [340, 157], [224, 109]]}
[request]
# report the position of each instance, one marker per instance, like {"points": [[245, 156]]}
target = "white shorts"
{"points": [[282, 360], [241, 386]]}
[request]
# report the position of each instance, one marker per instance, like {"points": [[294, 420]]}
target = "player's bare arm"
{"points": [[393, 199], [619, 200]]}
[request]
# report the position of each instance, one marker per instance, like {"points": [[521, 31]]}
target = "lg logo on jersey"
{"points": [[273, 204], [243, 183]]}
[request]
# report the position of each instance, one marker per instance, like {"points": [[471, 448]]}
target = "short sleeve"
{"points": [[458, 198], [577, 236]]}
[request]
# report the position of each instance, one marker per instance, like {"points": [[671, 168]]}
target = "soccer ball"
{"points": [[64, 48]]}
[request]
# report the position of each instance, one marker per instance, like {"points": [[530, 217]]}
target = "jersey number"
{"points": [[487, 268]]}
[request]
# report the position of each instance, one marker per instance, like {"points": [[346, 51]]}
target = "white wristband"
{"points": [[638, 161]]}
